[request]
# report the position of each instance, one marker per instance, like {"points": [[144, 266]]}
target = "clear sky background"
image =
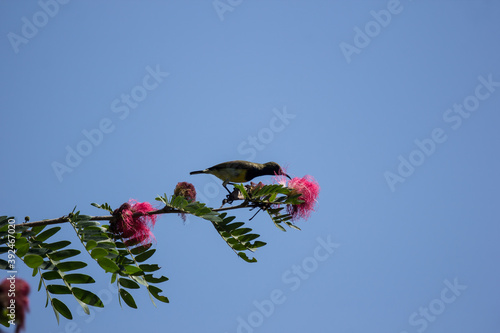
{"points": [[395, 112]]}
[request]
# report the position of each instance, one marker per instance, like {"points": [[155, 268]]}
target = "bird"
{"points": [[241, 171]]}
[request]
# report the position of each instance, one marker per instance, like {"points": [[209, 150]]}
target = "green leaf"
{"points": [[149, 268], [120, 245], [56, 245], [40, 285], [292, 226], [105, 244], [90, 245], [129, 269], [58, 289], [42, 237], [243, 256], [237, 246], [242, 189], [4, 264], [163, 199], [128, 283], [20, 240], [33, 260], [179, 202], [63, 254], [78, 278], [228, 219], [61, 308], [203, 211], [70, 265], [108, 265], [279, 226], [3, 221], [87, 297], [145, 256], [233, 226], [51, 275], [131, 242], [47, 266], [240, 231], [129, 300], [38, 229], [125, 261], [248, 238], [84, 224], [82, 217], [211, 216], [53, 308], [151, 279], [38, 251], [84, 306], [92, 233], [155, 291], [98, 252], [97, 227], [141, 249], [139, 279], [98, 238], [22, 246], [25, 233], [104, 206], [257, 244], [4, 320]]}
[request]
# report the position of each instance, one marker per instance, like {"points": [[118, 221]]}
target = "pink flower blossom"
{"points": [[281, 177], [308, 189], [186, 190], [22, 290], [135, 229]]}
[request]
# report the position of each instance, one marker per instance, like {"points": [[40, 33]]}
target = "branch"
{"points": [[165, 210], [62, 219]]}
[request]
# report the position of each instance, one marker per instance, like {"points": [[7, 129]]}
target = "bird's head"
{"points": [[274, 169]]}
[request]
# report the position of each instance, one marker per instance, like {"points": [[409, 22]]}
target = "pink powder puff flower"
{"points": [[186, 190], [308, 188], [136, 229], [22, 290], [281, 178]]}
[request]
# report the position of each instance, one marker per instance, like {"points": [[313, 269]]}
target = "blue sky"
{"points": [[391, 105]]}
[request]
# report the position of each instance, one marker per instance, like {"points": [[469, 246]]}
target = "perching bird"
{"points": [[242, 171]]}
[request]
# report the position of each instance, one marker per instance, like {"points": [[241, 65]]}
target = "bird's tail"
{"points": [[197, 172]]}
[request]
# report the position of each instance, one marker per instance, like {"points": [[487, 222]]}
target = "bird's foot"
{"points": [[235, 195]]}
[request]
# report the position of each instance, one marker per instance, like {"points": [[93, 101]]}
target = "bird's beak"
{"points": [[288, 176]]}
